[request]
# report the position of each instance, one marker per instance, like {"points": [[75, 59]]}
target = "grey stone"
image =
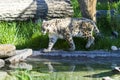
{"points": [[106, 78], [116, 69], [7, 50], [2, 63], [3, 75], [114, 48], [20, 55], [27, 9], [89, 54]]}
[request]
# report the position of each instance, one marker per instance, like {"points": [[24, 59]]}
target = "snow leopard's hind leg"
{"points": [[90, 41], [68, 37]]}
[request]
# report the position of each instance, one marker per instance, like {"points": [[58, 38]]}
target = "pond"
{"points": [[63, 69]]}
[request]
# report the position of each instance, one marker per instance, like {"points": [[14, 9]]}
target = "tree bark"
{"points": [[88, 8], [26, 9]]}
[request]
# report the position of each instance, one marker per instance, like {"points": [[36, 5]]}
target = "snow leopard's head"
{"points": [[45, 27]]}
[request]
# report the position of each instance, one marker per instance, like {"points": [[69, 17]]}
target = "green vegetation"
{"points": [[22, 34], [28, 35], [76, 8], [109, 6]]}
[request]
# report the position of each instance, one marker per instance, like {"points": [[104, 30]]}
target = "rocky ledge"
{"points": [[89, 54]]}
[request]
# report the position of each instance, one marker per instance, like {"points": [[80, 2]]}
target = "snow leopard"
{"points": [[67, 28]]}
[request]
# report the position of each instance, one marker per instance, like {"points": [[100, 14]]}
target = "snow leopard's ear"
{"points": [[45, 23]]}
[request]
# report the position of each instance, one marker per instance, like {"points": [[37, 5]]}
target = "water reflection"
{"points": [[69, 70], [15, 66], [21, 65], [50, 66]]}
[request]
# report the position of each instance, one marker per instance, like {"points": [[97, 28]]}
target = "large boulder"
{"points": [[20, 55], [2, 63], [27, 9], [7, 50]]}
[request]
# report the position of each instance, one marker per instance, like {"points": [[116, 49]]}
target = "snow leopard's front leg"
{"points": [[52, 41]]}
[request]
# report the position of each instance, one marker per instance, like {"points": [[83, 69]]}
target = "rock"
{"points": [[2, 63], [116, 69], [106, 78], [114, 48], [7, 50], [29, 9], [21, 55], [3, 75]]}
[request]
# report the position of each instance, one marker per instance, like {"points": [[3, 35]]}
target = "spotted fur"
{"points": [[67, 28]]}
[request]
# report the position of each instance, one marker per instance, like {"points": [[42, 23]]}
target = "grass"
{"points": [[21, 34], [76, 8]]}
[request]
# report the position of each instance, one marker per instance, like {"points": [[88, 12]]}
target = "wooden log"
{"points": [[88, 9], [21, 55], [7, 50], [26, 9]]}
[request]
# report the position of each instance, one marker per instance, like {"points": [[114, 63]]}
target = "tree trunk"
{"points": [[88, 8], [26, 9]]}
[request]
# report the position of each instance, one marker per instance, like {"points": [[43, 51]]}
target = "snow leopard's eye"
{"points": [[44, 31]]}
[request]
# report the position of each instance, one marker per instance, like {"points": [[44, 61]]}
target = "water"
{"points": [[66, 69]]}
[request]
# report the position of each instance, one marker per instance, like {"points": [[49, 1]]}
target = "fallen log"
{"points": [[21, 55], [26, 9]]}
